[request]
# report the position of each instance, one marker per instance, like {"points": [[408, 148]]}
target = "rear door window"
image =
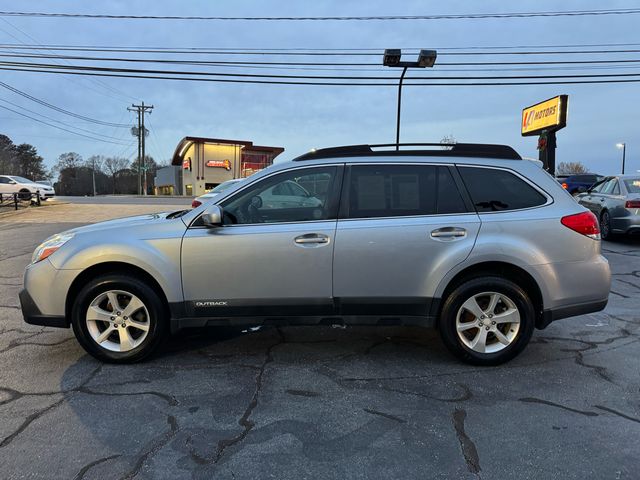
{"points": [[494, 190], [402, 190]]}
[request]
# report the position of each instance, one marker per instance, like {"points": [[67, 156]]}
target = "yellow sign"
{"points": [[548, 115]]}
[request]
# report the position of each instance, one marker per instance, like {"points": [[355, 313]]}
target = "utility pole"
{"points": [[141, 133], [93, 175]]}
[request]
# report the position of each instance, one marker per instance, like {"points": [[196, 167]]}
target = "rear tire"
{"points": [[119, 319], [500, 328], [605, 226]]}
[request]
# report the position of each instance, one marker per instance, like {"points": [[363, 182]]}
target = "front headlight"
{"points": [[49, 246]]}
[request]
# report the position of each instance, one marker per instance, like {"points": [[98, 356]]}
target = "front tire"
{"points": [[119, 319], [487, 321]]}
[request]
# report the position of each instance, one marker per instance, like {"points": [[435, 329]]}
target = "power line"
{"points": [[317, 52], [95, 81], [346, 84], [58, 121], [252, 64], [56, 126], [62, 110], [565, 13], [297, 77]]}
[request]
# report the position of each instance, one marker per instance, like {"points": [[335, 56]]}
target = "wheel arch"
{"points": [[107, 268], [506, 270]]}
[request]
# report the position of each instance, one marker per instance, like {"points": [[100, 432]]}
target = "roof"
{"points": [[416, 149], [183, 145]]}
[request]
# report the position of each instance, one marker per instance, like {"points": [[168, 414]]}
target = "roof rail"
{"points": [[483, 150]]}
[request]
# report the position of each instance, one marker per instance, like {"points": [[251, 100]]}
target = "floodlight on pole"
{"points": [[623, 146], [392, 58]]}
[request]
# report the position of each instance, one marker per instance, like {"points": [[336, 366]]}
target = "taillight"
{"points": [[196, 203], [632, 204], [584, 223], [564, 185]]}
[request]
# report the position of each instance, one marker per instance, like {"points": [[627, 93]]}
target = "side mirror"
{"points": [[12, 182], [212, 216]]}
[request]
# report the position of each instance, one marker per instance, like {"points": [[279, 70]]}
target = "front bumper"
{"points": [[34, 316]]}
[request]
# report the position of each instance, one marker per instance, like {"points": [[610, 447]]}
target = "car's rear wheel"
{"points": [[605, 226], [487, 321], [119, 319]]}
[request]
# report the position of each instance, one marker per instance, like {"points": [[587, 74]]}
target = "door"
{"points": [[600, 197], [7, 185], [592, 197], [268, 258], [402, 227]]}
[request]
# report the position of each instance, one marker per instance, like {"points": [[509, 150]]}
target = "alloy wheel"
{"points": [[118, 321], [488, 322]]}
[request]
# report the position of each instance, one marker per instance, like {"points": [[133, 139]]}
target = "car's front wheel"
{"points": [[119, 319], [487, 321]]}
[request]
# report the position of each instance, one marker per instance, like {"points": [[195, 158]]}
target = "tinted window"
{"points": [[4, 180], [498, 190], [616, 189], [402, 190], [585, 178], [285, 198], [633, 185], [597, 188], [607, 187]]}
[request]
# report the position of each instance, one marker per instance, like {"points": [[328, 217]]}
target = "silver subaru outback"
{"points": [[471, 239]]}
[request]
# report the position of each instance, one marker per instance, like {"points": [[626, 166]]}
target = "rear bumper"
{"points": [[33, 316], [550, 315], [627, 225]]}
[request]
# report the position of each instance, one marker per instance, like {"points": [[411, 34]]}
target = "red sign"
{"points": [[226, 164], [186, 164]]}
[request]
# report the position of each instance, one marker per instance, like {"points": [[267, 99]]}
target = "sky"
{"points": [[299, 118]]}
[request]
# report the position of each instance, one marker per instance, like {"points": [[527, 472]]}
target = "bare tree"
{"points": [[113, 165], [565, 168]]}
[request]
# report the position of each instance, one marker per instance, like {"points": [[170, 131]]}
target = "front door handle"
{"points": [[448, 233], [311, 238]]}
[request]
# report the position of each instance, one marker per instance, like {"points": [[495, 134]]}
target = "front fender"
{"points": [[160, 258]]}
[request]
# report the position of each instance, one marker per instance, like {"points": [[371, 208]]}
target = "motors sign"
{"points": [[550, 115]]}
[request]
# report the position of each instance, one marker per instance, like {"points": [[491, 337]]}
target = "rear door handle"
{"points": [[311, 238], [449, 232]]}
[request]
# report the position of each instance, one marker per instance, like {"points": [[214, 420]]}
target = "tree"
{"points": [[565, 168], [68, 160], [7, 156], [29, 163], [113, 166]]}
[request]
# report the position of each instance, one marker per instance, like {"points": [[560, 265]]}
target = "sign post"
{"points": [[545, 119]]}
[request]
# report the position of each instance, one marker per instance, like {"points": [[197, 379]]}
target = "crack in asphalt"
{"points": [[469, 451], [83, 471], [156, 445], [253, 403], [628, 283], [385, 415], [615, 412], [558, 405], [36, 415]]}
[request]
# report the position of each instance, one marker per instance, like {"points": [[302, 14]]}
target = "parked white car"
{"points": [[215, 191], [15, 184]]}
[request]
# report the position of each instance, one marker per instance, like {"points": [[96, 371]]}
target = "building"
{"points": [[207, 162], [168, 181]]}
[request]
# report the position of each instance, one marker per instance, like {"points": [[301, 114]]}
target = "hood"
{"points": [[126, 222], [42, 186]]}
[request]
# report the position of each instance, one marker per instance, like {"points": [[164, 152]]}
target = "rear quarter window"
{"points": [[495, 190]]}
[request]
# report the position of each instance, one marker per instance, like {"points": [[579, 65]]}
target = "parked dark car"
{"points": [[579, 183], [616, 203]]}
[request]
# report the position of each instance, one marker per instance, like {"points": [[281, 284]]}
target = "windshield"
{"points": [[22, 180], [224, 186], [632, 184]]}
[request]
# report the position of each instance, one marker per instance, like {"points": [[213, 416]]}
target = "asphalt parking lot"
{"points": [[317, 402]]}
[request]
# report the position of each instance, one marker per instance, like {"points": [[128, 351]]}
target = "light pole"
{"points": [[391, 58], [623, 146]]}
